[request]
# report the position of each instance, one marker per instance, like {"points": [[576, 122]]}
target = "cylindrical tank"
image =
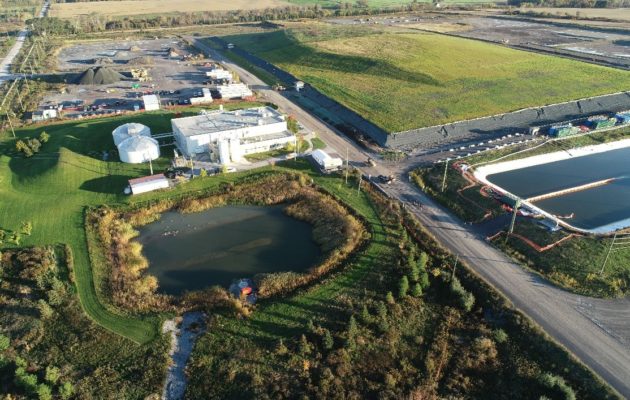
{"points": [[138, 149], [128, 130]]}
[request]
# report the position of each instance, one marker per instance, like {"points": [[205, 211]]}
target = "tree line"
{"points": [[94, 23]]}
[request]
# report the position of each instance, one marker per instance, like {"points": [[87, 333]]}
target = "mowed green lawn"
{"points": [[52, 189], [402, 81]]}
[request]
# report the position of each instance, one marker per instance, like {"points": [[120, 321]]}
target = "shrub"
{"points": [[5, 342], [52, 374], [328, 341], [44, 392], [66, 390], [403, 287], [464, 299], [417, 290], [500, 336], [43, 137], [557, 385]]}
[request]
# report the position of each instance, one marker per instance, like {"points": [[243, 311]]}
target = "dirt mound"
{"points": [[102, 60], [144, 60], [135, 48], [99, 76]]}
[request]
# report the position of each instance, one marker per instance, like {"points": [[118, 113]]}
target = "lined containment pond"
{"points": [[214, 247], [602, 208]]}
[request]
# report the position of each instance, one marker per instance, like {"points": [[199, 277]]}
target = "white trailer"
{"points": [[148, 183], [325, 161]]}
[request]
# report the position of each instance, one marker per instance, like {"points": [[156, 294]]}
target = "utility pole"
{"points": [[454, 266], [608, 253], [445, 171], [347, 166], [10, 124], [517, 204]]}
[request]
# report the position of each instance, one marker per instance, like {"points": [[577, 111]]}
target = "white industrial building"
{"points": [[151, 102], [229, 135], [148, 183], [234, 91], [325, 161], [128, 130], [138, 149], [219, 74]]}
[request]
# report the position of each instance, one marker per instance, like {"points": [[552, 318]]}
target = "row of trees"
{"points": [[99, 23], [572, 3]]}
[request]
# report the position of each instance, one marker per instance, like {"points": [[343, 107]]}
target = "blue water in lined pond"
{"points": [[214, 247], [602, 209]]}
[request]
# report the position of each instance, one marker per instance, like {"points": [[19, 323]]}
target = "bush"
{"points": [[403, 287], [464, 299], [557, 385], [500, 336], [5, 342]]}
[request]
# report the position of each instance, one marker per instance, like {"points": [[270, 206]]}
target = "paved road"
{"points": [[596, 331], [5, 65]]}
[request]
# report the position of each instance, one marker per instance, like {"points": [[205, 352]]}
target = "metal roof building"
{"points": [[151, 102], [148, 183], [246, 131], [234, 91]]}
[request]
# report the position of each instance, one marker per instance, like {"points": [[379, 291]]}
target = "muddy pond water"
{"points": [[193, 251]]}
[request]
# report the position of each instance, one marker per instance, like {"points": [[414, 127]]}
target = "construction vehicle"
{"points": [[141, 74]]}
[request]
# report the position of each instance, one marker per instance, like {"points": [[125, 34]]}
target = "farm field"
{"points": [[136, 7], [402, 81], [611, 13]]}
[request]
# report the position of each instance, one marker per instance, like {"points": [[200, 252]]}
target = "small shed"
{"points": [[151, 102], [325, 161], [148, 183], [42, 115]]}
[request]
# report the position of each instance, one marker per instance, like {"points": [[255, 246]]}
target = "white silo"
{"points": [[138, 149], [128, 130]]}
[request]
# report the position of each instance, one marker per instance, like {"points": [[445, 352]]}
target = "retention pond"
{"points": [[189, 252], [590, 185]]}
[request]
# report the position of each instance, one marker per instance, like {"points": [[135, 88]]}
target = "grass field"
{"points": [[610, 13], [136, 7], [52, 189], [402, 81]]}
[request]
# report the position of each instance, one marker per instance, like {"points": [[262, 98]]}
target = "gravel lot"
{"points": [[168, 73]]}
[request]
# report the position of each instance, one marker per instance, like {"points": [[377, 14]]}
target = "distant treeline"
{"points": [[573, 3], [100, 23]]}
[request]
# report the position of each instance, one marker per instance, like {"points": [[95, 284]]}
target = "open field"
{"points": [[610, 13], [135, 7], [402, 81]]}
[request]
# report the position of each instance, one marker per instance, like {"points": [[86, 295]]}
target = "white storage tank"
{"points": [[138, 149], [128, 130]]}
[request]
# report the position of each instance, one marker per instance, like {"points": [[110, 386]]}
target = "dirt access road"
{"points": [[596, 331], [5, 65]]}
